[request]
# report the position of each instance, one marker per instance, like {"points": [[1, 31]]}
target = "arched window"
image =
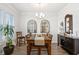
{"points": [[45, 26], [31, 26]]}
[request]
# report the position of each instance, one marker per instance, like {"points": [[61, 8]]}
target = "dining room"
{"points": [[39, 28]]}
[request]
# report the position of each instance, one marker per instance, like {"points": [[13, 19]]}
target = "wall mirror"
{"points": [[32, 26], [68, 24], [45, 26]]}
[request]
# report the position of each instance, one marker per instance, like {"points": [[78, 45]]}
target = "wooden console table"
{"points": [[70, 44]]}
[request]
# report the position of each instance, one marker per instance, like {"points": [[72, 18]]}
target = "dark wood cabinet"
{"points": [[70, 44]]}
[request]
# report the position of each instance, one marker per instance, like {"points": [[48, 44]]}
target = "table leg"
{"points": [[28, 50], [49, 49]]}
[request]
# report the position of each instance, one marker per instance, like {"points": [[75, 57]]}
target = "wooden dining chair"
{"points": [[20, 38], [39, 45]]}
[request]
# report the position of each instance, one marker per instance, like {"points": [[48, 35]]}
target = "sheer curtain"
{"points": [[9, 19], [1, 22], [5, 18], [1, 36]]}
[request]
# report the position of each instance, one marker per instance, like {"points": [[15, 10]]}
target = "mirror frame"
{"points": [[42, 23], [70, 26], [32, 22]]}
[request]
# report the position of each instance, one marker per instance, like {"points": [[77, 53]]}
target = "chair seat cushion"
{"points": [[21, 37]]}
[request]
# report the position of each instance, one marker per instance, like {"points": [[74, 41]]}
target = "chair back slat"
{"points": [[18, 34]]}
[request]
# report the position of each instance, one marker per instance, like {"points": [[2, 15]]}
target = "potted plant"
{"points": [[8, 31]]}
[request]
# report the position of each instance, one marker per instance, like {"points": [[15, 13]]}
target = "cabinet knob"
{"points": [[63, 41]]}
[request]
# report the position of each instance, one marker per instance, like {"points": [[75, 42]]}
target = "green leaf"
{"points": [[7, 31]]}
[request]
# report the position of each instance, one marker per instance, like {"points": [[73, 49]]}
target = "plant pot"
{"points": [[7, 50]]}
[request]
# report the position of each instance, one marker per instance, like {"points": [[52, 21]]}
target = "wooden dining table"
{"points": [[31, 41]]}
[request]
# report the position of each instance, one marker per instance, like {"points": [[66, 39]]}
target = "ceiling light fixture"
{"points": [[39, 12]]}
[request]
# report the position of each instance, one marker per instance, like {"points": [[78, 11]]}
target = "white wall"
{"points": [[72, 9], [22, 18], [51, 17], [10, 9]]}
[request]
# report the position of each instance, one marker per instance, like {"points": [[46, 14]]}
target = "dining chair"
{"points": [[20, 38], [39, 44]]}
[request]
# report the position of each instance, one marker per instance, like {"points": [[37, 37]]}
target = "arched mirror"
{"points": [[32, 26], [45, 26], [68, 24]]}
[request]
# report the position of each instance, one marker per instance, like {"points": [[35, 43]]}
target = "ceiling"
{"points": [[33, 7]]}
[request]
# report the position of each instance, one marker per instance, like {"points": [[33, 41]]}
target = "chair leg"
{"points": [[24, 40], [28, 50], [19, 42], [39, 51]]}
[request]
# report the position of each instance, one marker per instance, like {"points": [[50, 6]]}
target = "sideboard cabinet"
{"points": [[70, 44]]}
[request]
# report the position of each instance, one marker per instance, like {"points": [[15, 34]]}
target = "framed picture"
{"points": [[68, 24]]}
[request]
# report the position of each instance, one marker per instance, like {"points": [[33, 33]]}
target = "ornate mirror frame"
{"points": [[68, 24], [45, 26], [32, 26]]}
